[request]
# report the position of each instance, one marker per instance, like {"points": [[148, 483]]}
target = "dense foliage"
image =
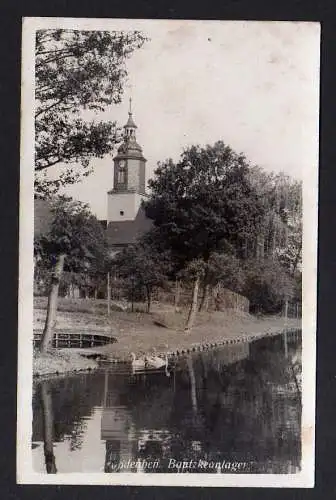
{"points": [[75, 232], [204, 201], [236, 224], [217, 221], [74, 242], [75, 72], [144, 268]]}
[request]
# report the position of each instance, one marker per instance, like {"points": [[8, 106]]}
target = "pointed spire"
{"points": [[130, 122]]}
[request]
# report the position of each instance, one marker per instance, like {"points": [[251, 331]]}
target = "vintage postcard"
{"points": [[168, 252]]}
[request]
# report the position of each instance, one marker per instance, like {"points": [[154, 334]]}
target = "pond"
{"points": [[234, 409]]}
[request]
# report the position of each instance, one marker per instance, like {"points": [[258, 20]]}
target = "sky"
{"points": [[254, 85]]}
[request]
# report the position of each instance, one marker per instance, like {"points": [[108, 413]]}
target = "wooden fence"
{"points": [[80, 340]]}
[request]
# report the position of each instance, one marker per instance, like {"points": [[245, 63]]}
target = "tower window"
{"points": [[121, 212], [122, 172]]}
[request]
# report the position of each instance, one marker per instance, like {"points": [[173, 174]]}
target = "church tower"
{"points": [[129, 185]]}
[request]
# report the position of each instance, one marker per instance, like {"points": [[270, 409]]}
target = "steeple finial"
{"points": [[130, 122]]}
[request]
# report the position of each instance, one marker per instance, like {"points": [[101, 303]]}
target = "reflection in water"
{"points": [[48, 421], [232, 409]]}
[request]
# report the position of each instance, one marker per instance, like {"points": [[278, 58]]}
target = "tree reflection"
{"points": [[48, 427], [246, 407], [237, 403]]}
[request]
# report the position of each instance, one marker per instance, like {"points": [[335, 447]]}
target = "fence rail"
{"points": [[63, 340]]}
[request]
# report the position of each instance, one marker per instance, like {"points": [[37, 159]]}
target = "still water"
{"points": [[236, 409]]}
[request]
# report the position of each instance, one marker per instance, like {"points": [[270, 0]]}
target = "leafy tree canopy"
{"points": [[267, 285], [205, 199], [78, 234], [76, 71], [144, 266], [226, 269]]}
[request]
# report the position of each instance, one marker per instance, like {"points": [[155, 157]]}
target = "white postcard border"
{"points": [[25, 473]]}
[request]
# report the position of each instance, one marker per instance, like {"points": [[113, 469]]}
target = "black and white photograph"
{"points": [[168, 252]]}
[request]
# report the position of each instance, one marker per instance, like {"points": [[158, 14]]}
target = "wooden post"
{"points": [[108, 295], [177, 293], [207, 300], [285, 334], [105, 388]]}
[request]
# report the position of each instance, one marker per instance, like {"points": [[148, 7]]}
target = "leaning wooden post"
{"points": [[108, 294]]}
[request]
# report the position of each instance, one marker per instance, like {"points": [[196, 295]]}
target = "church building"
{"points": [[126, 219]]}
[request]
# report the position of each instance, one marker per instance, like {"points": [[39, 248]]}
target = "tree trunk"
{"points": [[205, 297], [47, 336], [297, 258], [193, 306]]}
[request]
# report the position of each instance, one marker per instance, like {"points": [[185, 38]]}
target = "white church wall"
{"points": [[123, 206]]}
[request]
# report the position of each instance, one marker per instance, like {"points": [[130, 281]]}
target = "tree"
{"points": [[222, 268], [75, 242], [195, 272], [144, 267], [76, 72], [267, 285], [290, 254], [202, 205], [203, 200], [281, 228]]}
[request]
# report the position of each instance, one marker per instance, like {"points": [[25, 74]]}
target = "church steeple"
{"points": [[130, 126], [130, 147], [129, 186]]}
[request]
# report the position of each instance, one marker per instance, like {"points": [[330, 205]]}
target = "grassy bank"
{"points": [[57, 363], [162, 330]]}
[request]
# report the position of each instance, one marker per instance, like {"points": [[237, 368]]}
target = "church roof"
{"points": [[120, 233], [129, 147], [124, 233], [130, 121]]}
